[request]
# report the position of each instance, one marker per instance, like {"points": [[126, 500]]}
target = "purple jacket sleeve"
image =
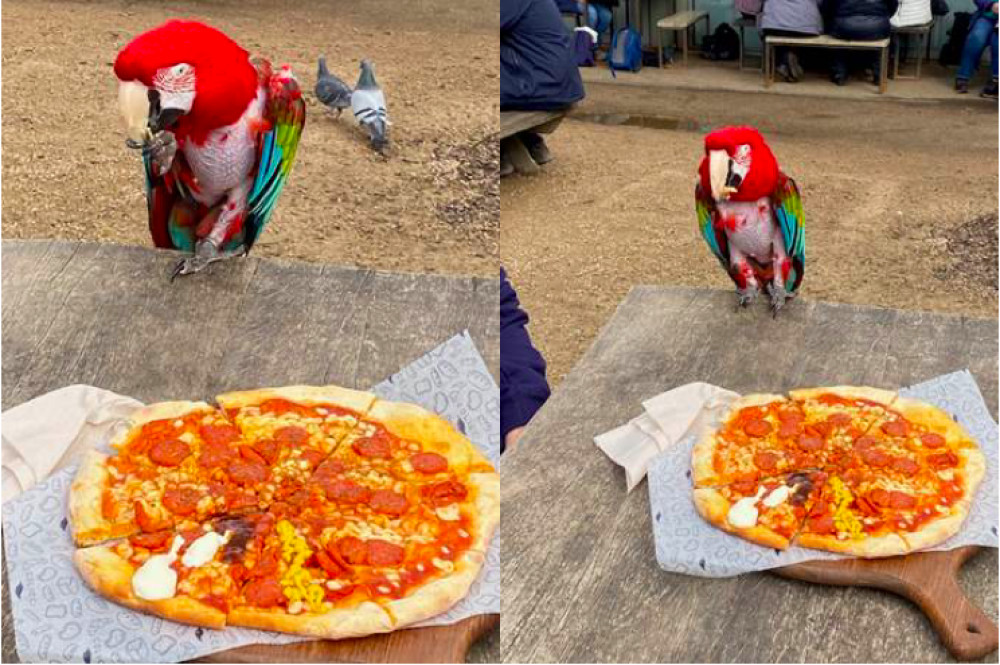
{"points": [[984, 5], [523, 387]]}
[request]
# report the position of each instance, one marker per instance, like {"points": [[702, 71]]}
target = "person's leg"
{"points": [[975, 43], [991, 88], [536, 147], [839, 67]]}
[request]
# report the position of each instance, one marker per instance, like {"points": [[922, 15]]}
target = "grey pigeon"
{"points": [[331, 90], [368, 104]]}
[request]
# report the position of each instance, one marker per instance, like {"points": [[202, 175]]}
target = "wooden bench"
{"points": [[680, 22], [826, 41], [513, 123], [924, 33]]}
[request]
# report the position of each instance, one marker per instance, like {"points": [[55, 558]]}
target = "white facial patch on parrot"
{"points": [[176, 86], [742, 161]]}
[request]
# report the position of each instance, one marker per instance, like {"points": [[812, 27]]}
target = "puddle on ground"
{"points": [[647, 121]]}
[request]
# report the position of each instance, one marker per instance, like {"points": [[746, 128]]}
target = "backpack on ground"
{"points": [[583, 47], [626, 51], [951, 51], [723, 44]]}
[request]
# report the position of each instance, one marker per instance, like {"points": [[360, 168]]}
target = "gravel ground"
{"points": [[431, 207], [900, 204]]}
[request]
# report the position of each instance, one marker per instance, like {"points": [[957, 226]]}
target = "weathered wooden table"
{"points": [[109, 316], [580, 580]]}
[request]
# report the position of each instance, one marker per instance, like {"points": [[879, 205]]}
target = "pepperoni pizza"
{"points": [[853, 470], [311, 510]]}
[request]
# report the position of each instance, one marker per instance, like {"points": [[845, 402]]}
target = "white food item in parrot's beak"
{"points": [[718, 171], [133, 102]]}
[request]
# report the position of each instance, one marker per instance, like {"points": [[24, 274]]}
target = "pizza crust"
{"points": [[714, 507], [702, 469], [940, 530], [434, 433], [747, 401], [366, 618], [936, 420], [886, 397], [487, 505], [111, 576], [875, 547], [355, 400], [438, 596], [86, 518]]}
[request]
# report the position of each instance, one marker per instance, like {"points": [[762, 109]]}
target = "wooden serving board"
{"points": [[929, 579], [438, 644]]}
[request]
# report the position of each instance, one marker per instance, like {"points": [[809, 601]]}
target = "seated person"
{"points": [[857, 20], [599, 16], [523, 387], [982, 33], [537, 69], [911, 13], [790, 18]]}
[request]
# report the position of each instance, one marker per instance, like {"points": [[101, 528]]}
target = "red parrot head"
{"points": [[738, 165], [193, 79]]}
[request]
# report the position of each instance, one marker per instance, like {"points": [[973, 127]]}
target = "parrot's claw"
{"points": [[778, 298], [205, 255], [190, 266], [747, 296]]}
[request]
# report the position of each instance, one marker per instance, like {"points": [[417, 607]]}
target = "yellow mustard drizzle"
{"points": [[297, 581], [843, 518]]}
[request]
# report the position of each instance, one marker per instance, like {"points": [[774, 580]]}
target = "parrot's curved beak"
{"points": [[162, 117], [718, 173]]}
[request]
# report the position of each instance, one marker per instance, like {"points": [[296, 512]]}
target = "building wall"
{"points": [[722, 10]]}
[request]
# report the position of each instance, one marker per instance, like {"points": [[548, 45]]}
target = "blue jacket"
{"points": [[523, 387], [537, 69]]}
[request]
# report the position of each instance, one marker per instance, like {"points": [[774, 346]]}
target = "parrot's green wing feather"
{"points": [[787, 206], [286, 113], [716, 239]]}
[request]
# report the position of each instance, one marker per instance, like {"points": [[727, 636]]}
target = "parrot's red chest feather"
{"points": [[225, 80]]}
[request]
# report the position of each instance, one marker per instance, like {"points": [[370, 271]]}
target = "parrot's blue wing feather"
{"points": [[787, 206], [716, 239], [277, 147]]}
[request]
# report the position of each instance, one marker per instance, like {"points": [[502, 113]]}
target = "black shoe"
{"points": [[961, 86], [785, 73], [839, 79], [990, 91], [536, 148], [794, 67]]}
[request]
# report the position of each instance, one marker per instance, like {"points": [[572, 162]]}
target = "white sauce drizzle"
{"points": [[743, 514], [203, 550], [155, 579], [777, 497]]}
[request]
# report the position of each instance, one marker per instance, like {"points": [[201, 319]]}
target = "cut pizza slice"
{"points": [[768, 512], [761, 437], [870, 514], [176, 461], [835, 418]]}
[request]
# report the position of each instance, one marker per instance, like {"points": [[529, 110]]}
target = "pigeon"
{"points": [[330, 90], [368, 104]]}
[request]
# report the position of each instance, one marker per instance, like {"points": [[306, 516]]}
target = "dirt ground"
{"points": [[433, 206], [900, 204]]}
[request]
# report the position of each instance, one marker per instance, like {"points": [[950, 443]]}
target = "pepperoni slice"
{"points": [[429, 463], [896, 428], [311, 456], [874, 457], [269, 450], [215, 455], [372, 447], [879, 497], [822, 525], [388, 502], [745, 486], [840, 418], [331, 567], [247, 473], [808, 442], [292, 435], [267, 565], [822, 429], [353, 550], [932, 440], [901, 500], [264, 593], [219, 434], [330, 467], [347, 491], [863, 442], [819, 509], [338, 594], [905, 466], [169, 452], [237, 499], [449, 491], [383, 553], [765, 460], [152, 541], [252, 456], [181, 501], [757, 428], [943, 460], [865, 506], [143, 519], [789, 428]]}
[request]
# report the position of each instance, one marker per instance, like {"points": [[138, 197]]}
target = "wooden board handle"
{"points": [[929, 579]]}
